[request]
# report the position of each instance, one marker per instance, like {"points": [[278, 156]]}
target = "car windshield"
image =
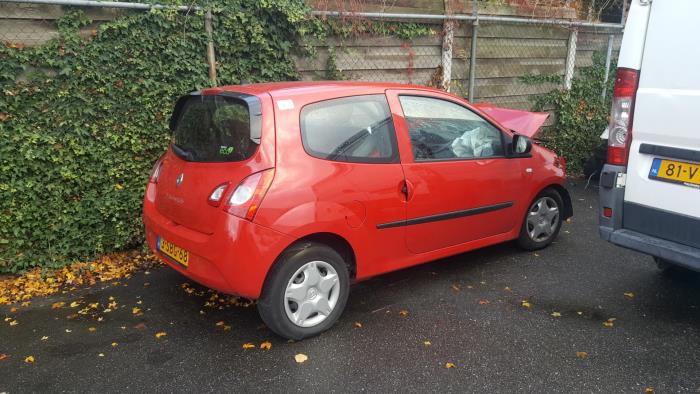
{"points": [[213, 129]]}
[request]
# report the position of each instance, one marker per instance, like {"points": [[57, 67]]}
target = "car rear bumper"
{"points": [[662, 234], [234, 259]]}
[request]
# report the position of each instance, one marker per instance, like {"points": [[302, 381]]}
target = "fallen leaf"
{"points": [[449, 365], [140, 326], [44, 338], [507, 288], [649, 390], [357, 324], [220, 323], [101, 355], [629, 295], [92, 329], [536, 254], [135, 310], [556, 314], [14, 322], [160, 334], [455, 287], [266, 345], [579, 313], [526, 304], [403, 313], [300, 358], [582, 355], [609, 323], [68, 331], [114, 344], [484, 302], [427, 343], [227, 328], [3, 356], [25, 303], [74, 304], [94, 305], [13, 310], [248, 346], [29, 359]]}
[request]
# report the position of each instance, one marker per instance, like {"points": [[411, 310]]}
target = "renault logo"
{"points": [[179, 179]]}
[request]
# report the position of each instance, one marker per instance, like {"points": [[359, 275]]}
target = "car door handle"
{"points": [[406, 189]]}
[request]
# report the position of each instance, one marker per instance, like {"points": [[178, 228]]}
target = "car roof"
{"points": [[300, 88]]}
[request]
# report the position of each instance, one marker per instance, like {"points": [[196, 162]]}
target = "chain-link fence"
{"points": [[486, 58]]}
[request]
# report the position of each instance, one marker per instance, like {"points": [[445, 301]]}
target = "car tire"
{"points": [[292, 302], [541, 224]]}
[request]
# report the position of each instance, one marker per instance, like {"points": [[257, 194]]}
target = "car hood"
{"points": [[526, 123]]}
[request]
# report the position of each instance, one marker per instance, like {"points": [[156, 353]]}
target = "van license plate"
{"points": [[173, 251], [676, 172]]}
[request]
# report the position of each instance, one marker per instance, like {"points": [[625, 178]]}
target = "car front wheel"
{"points": [[542, 221], [305, 292]]}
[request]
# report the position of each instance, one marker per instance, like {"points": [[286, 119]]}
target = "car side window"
{"points": [[442, 130], [355, 129]]}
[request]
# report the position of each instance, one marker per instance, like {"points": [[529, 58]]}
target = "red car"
{"points": [[288, 192]]}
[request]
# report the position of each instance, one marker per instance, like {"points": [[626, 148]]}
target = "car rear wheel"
{"points": [[305, 292], [542, 221]]}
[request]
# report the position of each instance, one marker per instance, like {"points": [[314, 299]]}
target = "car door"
{"points": [[460, 185]]}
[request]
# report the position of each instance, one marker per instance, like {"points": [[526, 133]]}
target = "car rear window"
{"points": [[352, 129], [213, 129]]}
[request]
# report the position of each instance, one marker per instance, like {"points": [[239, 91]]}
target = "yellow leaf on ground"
{"points": [[403, 313], [248, 346], [135, 310], [227, 327], [484, 302], [220, 323], [300, 358], [449, 365], [44, 338], [609, 323], [114, 344], [556, 314], [427, 343], [25, 303], [160, 334], [29, 359], [101, 355], [649, 390], [357, 324], [94, 305], [526, 304], [629, 295], [57, 305], [74, 304], [582, 355], [92, 329], [14, 322], [266, 345]]}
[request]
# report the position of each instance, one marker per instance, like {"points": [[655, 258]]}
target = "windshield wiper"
{"points": [[185, 154]]}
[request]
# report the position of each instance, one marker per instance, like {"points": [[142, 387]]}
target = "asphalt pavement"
{"points": [[579, 316]]}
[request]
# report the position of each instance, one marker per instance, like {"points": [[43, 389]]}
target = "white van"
{"points": [[650, 186]]}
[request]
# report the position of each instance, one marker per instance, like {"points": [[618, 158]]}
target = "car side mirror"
{"points": [[521, 145]]}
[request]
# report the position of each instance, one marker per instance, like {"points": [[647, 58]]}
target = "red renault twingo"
{"points": [[288, 192]]}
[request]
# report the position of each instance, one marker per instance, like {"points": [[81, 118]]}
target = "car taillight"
{"points": [[245, 200], [216, 194], [620, 129], [155, 172]]}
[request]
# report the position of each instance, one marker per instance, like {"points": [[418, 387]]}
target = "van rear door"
{"points": [[663, 175]]}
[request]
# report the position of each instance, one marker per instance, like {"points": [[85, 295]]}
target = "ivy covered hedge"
{"points": [[83, 118]]}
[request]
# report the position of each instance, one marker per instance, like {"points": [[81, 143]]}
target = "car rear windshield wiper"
{"points": [[185, 154]]}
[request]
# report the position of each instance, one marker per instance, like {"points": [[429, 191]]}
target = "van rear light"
{"points": [[215, 196], [246, 199], [155, 172], [620, 129]]}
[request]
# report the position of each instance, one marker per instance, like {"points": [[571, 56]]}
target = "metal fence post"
{"points": [[608, 59], [211, 58], [447, 40], [472, 53], [570, 58]]}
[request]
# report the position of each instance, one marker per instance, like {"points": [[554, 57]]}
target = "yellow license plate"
{"points": [[676, 172], [174, 252]]}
